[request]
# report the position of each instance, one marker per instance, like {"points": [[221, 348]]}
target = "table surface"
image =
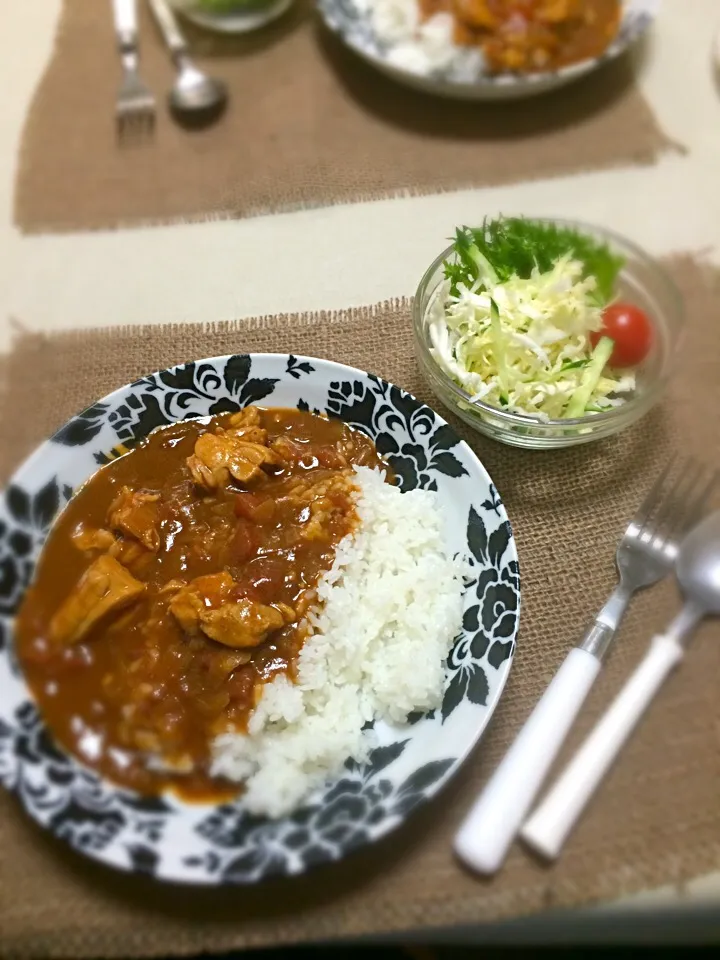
{"points": [[203, 272]]}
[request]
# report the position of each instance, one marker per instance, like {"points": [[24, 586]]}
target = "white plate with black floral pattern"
{"points": [[465, 77], [220, 844]]}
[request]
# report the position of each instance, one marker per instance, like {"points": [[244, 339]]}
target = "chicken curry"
{"points": [[176, 581], [531, 35]]}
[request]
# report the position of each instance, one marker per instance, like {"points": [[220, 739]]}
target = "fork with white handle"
{"points": [[135, 106], [645, 555], [698, 573]]}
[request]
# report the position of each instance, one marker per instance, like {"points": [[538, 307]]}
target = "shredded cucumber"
{"points": [[590, 378]]}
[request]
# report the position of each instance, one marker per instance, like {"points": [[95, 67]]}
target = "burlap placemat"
{"points": [[308, 124], [656, 819]]}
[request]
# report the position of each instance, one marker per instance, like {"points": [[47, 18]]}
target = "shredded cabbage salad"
{"points": [[522, 342]]}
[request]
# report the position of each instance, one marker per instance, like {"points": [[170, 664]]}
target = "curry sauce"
{"points": [[176, 581]]}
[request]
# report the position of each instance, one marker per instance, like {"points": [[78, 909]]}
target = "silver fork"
{"points": [[648, 549], [135, 106], [644, 556]]}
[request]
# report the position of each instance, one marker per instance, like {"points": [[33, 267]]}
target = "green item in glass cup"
{"points": [[226, 6]]}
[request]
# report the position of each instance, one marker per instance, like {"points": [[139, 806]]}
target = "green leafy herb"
{"points": [[225, 6], [513, 246]]}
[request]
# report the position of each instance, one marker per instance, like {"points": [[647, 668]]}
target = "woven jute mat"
{"points": [[656, 819], [308, 124]]}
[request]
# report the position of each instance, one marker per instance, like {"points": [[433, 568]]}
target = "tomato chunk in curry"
{"points": [[176, 581]]}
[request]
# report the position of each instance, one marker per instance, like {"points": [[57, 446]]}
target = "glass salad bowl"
{"points": [[231, 16], [641, 282]]}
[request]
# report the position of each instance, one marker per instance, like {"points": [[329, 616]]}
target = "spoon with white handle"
{"points": [[645, 555], [698, 573]]}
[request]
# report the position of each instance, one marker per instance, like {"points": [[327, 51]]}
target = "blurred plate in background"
{"points": [[461, 73]]}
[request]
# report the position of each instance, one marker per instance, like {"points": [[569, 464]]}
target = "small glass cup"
{"points": [[641, 281], [231, 16]]}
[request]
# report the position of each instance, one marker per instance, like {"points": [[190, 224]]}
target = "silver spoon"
{"points": [[195, 95], [698, 573]]}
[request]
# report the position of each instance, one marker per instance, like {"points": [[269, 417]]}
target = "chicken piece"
{"points": [[172, 586], [328, 500], [476, 13], [304, 492], [220, 456], [187, 607], [325, 500], [242, 624], [105, 587], [192, 601], [245, 425], [205, 606], [230, 661], [130, 553], [290, 450], [89, 539], [557, 11], [249, 434], [247, 417], [135, 513], [289, 615]]}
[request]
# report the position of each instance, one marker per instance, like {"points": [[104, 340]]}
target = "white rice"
{"points": [[388, 611], [420, 47]]}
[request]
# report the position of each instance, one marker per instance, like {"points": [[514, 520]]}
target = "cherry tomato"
{"points": [[630, 328]]}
